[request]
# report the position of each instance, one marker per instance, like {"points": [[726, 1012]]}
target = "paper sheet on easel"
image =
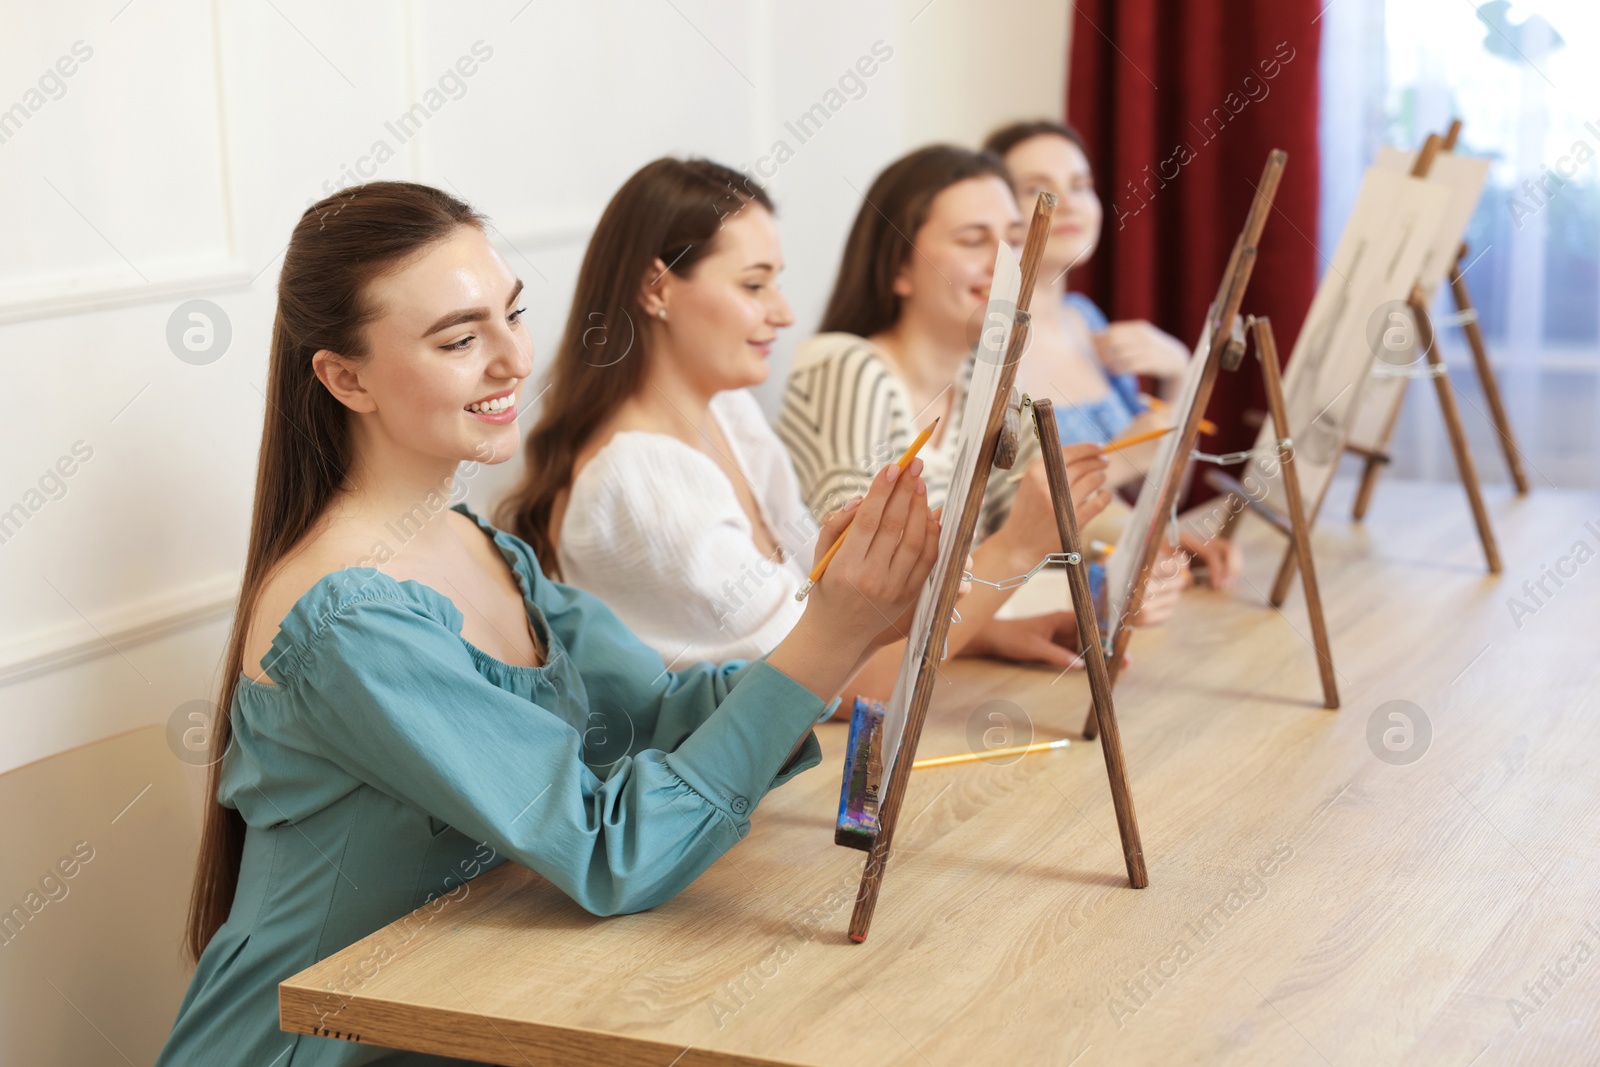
{"points": [[1463, 176], [1123, 566], [992, 342], [1379, 255]]}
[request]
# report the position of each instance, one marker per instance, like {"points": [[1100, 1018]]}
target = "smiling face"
{"points": [[447, 357], [1050, 163], [946, 278], [722, 319]]}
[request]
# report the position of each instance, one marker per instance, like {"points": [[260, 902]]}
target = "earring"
{"points": [[661, 313]]}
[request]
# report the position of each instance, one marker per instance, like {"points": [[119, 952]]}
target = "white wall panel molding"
{"points": [[65, 644]]}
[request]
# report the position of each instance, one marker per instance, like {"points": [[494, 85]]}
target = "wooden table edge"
{"points": [[508, 1041]]}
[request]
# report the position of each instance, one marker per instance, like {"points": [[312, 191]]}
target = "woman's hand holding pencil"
{"points": [[845, 514], [875, 576], [874, 555]]}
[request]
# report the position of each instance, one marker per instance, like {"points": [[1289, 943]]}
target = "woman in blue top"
{"points": [[1090, 367], [408, 700]]}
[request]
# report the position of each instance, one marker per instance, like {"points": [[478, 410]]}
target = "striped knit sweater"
{"points": [[846, 413]]}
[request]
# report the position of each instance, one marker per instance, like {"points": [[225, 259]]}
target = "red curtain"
{"points": [[1180, 101]]}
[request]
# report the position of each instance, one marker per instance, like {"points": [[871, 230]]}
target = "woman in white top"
{"points": [[647, 497], [660, 486]]}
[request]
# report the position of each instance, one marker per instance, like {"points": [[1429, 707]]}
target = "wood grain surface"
{"points": [[1309, 901]]}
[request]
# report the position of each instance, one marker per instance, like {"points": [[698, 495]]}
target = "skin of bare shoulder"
{"points": [[478, 575], [324, 552]]}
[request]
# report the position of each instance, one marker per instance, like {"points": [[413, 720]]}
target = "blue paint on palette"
{"points": [[862, 786]]}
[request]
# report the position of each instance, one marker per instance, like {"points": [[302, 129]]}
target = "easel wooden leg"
{"points": [[945, 595], [1280, 584], [1089, 638], [1372, 463], [1371, 467], [1452, 423], [1300, 538], [1119, 648], [1486, 378]]}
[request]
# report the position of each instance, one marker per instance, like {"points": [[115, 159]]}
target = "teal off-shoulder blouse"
{"points": [[394, 761]]}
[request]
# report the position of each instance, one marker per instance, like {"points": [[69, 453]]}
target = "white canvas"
{"points": [[1464, 177], [1123, 566], [998, 320], [1390, 230]]}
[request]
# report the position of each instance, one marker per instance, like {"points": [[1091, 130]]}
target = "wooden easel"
{"points": [[1003, 414], [1225, 334], [1417, 302], [1373, 461], [1294, 525]]}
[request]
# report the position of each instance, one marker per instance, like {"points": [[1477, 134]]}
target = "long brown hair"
{"points": [[670, 210], [864, 301], [1007, 137], [339, 245]]}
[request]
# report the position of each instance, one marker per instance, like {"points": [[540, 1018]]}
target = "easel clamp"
{"points": [[1067, 559]]}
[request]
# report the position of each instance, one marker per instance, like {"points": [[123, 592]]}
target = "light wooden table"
{"points": [[1308, 902]]}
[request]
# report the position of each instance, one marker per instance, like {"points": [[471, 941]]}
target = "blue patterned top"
{"points": [[1105, 419]]}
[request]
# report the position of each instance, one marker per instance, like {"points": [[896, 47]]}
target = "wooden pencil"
{"points": [[1135, 439], [1157, 404], [1113, 446], [969, 757], [903, 462]]}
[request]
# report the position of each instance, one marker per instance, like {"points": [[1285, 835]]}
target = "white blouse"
{"points": [[654, 528]]}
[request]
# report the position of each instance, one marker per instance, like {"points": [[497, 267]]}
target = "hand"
{"points": [[900, 629], [1140, 348], [891, 547], [1030, 528], [1221, 557], [1169, 577], [1051, 638]]}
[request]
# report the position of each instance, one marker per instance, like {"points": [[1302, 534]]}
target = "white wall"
{"points": [[173, 160], [170, 164]]}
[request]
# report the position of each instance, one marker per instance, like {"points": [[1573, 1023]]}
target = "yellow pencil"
{"points": [[903, 462], [969, 757], [1157, 404], [1135, 439], [1113, 446]]}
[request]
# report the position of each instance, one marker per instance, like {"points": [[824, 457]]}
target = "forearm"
{"points": [[994, 560], [816, 657], [874, 677]]}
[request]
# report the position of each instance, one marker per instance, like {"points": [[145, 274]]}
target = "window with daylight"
{"points": [[1522, 79]]}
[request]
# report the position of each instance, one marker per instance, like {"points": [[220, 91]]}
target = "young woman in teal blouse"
{"points": [[408, 700]]}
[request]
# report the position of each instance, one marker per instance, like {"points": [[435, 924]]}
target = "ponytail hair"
{"points": [[339, 245]]}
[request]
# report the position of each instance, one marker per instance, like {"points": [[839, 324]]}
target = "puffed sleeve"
{"points": [[655, 531], [393, 697]]}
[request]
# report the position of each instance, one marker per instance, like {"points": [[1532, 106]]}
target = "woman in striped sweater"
{"points": [[896, 349]]}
